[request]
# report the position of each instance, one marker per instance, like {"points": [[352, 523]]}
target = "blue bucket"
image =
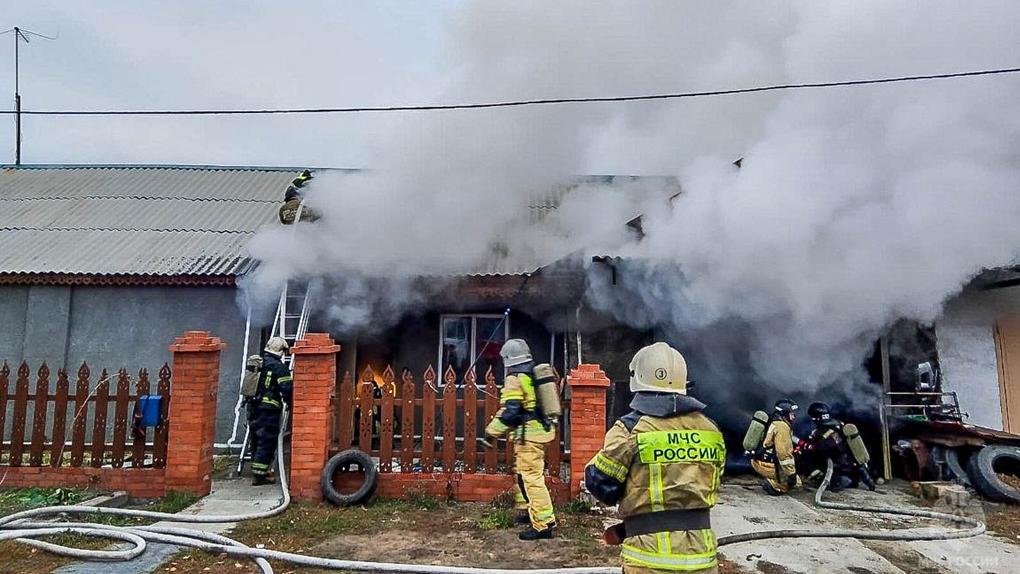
{"points": [[150, 407]]}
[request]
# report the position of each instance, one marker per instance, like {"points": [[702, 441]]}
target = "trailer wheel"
{"points": [[342, 462], [956, 466], [985, 467]]}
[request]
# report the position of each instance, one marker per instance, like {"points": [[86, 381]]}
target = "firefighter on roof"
{"points": [[661, 463], [774, 461], [529, 411], [275, 385], [292, 199]]}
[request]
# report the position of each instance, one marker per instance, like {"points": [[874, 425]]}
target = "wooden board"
{"points": [[18, 420], [59, 431], [1007, 349], [41, 400]]}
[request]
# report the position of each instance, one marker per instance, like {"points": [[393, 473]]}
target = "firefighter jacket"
{"points": [[828, 442], [663, 457], [777, 448], [275, 383], [518, 413]]}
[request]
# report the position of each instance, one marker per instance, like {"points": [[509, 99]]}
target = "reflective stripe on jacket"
{"points": [[518, 411], [275, 382], [653, 464]]}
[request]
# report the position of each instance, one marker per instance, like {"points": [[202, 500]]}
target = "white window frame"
{"points": [[474, 339]]}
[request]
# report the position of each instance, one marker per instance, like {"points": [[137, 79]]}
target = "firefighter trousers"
{"points": [[779, 479], [634, 569], [529, 462], [267, 430]]}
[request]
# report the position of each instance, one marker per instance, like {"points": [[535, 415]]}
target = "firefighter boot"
{"points": [[262, 479], [532, 534], [866, 478]]}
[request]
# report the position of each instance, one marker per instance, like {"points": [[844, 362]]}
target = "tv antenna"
{"points": [[20, 35]]}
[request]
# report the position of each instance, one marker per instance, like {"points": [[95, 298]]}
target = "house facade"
{"points": [[978, 339], [109, 263], [97, 260]]}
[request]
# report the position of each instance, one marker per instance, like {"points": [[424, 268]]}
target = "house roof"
{"points": [[542, 204], [134, 220], [123, 223]]}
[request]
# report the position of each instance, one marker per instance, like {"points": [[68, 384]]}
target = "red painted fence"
{"points": [[87, 425]]}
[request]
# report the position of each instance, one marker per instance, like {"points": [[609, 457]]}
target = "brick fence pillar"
{"points": [[314, 381], [192, 416], [588, 385]]}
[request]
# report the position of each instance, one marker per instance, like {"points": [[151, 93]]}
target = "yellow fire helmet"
{"points": [[658, 368]]}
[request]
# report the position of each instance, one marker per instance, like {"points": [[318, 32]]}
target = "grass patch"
{"points": [[497, 519], [174, 501], [420, 499], [576, 506], [223, 465], [18, 499], [21, 558]]}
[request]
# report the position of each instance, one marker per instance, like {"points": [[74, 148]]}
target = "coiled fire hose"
{"points": [[21, 528]]}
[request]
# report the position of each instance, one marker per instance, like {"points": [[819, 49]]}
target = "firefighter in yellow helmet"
{"points": [[661, 463], [520, 416], [774, 461]]}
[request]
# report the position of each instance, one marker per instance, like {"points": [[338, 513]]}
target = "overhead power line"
{"points": [[518, 103]]}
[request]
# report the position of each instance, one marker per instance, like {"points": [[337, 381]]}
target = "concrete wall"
{"points": [[966, 345], [114, 327]]}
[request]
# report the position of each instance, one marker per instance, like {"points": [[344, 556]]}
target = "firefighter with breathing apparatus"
{"points": [[661, 463], [841, 443], [529, 412], [250, 387], [291, 209], [769, 441], [275, 387]]}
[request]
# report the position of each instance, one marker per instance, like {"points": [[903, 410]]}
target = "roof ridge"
{"points": [[155, 166], [128, 229], [144, 197]]}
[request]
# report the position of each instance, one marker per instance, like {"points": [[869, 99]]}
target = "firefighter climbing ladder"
{"points": [[291, 323]]}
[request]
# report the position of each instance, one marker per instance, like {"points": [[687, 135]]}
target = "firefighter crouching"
{"points": [[838, 442], [275, 385], [529, 411], [661, 463], [773, 460]]}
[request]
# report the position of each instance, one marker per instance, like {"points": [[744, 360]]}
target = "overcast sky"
{"points": [[191, 54]]}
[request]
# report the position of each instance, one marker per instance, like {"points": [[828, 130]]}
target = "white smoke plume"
{"points": [[853, 207]]}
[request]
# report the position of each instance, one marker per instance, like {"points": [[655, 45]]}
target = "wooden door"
{"points": [[1007, 351]]}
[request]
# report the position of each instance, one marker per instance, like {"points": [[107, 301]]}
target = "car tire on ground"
{"points": [[956, 462], [342, 462], [982, 469]]}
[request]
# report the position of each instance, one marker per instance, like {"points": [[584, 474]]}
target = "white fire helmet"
{"points": [[658, 368], [515, 352], [277, 346]]}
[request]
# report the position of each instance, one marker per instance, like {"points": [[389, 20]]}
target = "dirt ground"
{"points": [[429, 531], [424, 531]]}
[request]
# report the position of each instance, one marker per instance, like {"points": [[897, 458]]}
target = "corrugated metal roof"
{"points": [[176, 220], [150, 220]]}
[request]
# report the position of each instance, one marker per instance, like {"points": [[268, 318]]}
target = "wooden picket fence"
{"points": [[53, 414], [420, 426]]}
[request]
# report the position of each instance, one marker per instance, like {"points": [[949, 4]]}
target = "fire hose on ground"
{"points": [[24, 527]]}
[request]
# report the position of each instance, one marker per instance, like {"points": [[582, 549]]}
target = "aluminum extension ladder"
{"points": [[291, 323]]}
